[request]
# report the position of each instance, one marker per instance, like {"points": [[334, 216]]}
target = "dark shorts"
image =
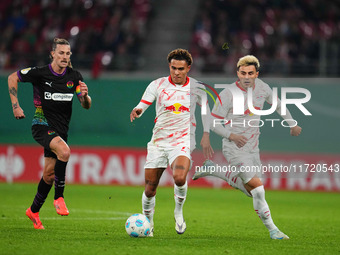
{"points": [[44, 135]]}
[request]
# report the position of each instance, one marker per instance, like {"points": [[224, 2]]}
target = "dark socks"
{"points": [[59, 178], [40, 197]]}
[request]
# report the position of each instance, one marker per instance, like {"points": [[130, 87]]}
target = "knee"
{"points": [[64, 154], [180, 179], [150, 192]]}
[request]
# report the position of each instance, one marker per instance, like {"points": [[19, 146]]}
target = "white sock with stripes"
{"points": [[261, 207], [148, 204]]}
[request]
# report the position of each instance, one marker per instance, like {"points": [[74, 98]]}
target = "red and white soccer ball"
{"points": [[138, 225]]}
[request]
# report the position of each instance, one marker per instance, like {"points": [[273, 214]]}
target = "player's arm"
{"points": [[83, 95], [13, 80], [205, 141], [294, 130], [225, 131], [148, 97]]}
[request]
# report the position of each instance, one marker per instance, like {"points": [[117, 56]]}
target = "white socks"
{"points": [[261, 207], [148, 204], [180, 196]]}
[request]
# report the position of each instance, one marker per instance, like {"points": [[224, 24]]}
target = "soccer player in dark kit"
{"points": [[53, 89]]}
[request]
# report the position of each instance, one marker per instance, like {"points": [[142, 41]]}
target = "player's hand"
{"points": [[135, 113], [239, 140], [206, 147], [83, 89], [295, 131], [18, 113]]}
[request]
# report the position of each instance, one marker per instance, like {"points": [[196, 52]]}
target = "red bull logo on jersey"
{"points": [[177, 108], [248, 112]]}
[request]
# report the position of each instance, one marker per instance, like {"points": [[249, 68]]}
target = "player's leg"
{"points": [[62, 150], [255, 187], [45, 184], [228, 173], [208, 168], [152, 177], [44, 188], [43, 135], [180, 168]]}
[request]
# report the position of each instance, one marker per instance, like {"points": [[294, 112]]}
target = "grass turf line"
{"points": [[219, 221]]}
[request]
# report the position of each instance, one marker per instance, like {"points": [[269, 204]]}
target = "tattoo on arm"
{"points": [[13, 91], [15, 105]]}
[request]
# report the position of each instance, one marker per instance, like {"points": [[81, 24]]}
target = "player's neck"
{"points": [[57, 69]]}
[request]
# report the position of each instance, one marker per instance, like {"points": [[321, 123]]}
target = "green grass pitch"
{"points": [[219, 221]]}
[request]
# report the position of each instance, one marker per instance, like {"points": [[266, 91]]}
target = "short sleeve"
{"points": [[30, 74]]}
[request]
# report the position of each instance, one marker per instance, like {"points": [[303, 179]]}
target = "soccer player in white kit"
{"points": [[173, 135], [241, 138]]}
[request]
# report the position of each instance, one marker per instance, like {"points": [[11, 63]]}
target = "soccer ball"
{"points": [[137, 225]]}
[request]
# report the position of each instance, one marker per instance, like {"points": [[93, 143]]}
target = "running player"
{"points": [[53, 89], [240, 141], [173, 135]]}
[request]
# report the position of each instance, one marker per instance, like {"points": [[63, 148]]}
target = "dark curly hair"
{"points": [[180, 54]]}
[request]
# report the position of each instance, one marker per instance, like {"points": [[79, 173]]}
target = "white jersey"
{"points": [[246, 124], [175, 106]]}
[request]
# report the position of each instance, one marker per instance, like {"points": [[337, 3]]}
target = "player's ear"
{"points": [[238, 74]]}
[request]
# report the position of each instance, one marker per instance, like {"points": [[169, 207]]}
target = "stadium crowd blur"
{"points": [[289, 37], [98, 31]]}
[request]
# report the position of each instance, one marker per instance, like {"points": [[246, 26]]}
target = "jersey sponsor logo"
{"points": [[48, 95], [26, 70], [69, 84], [58, 96], [177, 108]]}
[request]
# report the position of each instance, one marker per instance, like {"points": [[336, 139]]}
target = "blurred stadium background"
{"points": [[120, 46]]}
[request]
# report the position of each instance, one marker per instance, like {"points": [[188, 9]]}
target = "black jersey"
{"points": [[52, 94]]}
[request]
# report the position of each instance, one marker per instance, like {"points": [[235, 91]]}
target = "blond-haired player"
{"points": [[241, 139]]}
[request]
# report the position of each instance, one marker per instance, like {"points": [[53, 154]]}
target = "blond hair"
{"points": [[180, 54], [248, 60]]}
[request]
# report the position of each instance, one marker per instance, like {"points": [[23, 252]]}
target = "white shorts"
{"points": [[243, 164], [161, 157]]}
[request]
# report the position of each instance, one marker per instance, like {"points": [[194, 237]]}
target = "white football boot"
{"points": [[204, 170], [180, 226], [278, 235], [151, 229]]}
